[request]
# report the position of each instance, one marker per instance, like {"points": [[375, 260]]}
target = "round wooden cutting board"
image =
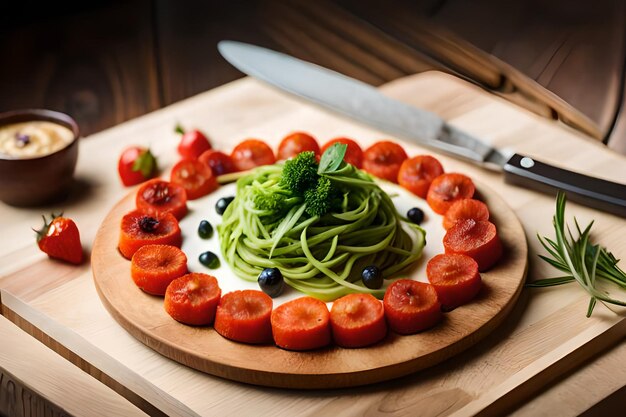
{"points": [[204, 349]]}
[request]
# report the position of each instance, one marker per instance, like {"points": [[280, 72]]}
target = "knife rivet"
{"points": [[526, 162]]}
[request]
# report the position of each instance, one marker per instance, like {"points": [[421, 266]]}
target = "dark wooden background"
{"points": [[105, 62]]}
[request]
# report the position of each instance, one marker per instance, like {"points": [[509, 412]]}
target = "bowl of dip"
{"points": [[38, 154]]}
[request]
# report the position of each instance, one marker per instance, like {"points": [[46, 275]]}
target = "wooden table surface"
{"points": [[547, 358]]}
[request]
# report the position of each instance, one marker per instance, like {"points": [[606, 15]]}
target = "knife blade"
{"points": [[366, 104]]}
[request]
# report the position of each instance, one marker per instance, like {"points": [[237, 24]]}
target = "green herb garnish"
{"points": [[332, 158], [581, 260]]}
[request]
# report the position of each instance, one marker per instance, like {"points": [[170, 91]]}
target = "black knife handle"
{"points": [[593, 192]]}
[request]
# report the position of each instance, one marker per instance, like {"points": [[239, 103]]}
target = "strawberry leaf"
{"points": [[145, 163]]}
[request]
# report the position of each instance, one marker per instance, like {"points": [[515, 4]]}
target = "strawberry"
{"points": [[60, 239]]}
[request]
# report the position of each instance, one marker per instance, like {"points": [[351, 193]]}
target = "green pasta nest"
{"points": [[269, 226]]}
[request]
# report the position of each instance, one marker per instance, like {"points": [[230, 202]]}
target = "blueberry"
{"points": [[372, 277], [271, 282], [205, 230], [209, 259], [222, 203], [416, 215]]}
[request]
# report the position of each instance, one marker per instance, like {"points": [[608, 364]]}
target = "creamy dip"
{"points": [[33, 139]]}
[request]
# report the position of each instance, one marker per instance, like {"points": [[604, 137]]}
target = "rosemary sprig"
{"points": [[581, 260]]}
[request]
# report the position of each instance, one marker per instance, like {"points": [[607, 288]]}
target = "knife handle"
{"points": [[593, 192]]}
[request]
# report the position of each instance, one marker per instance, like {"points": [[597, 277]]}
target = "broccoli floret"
{"points": [[270, 201], [300, 173], [321, 199]]}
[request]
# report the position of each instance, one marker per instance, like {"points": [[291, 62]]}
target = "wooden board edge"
{"points": [[97, 363]]}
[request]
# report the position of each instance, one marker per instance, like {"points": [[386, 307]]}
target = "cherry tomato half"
{"points": [[219, 162], [195, 177], [418, 172], [383, 159], [354, 153], [295, 143], [446, 189], [157, 197], [252, 153]]}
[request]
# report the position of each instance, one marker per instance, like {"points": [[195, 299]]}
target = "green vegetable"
{"points": [[582, 261], [269, 225], [332, 158], [300, 173]]}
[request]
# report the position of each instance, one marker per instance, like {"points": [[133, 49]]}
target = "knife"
{"points": [[366, 104]]}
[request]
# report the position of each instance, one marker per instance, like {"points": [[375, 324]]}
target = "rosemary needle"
{"points": [[580, 260]]}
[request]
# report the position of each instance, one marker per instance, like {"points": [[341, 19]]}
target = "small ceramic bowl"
{"points": [[38, 179]]}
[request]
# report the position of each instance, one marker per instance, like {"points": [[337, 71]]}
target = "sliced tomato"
{"points": [[477, 239], [153, 267], [446, 189], [295, 143], [244, 316], [354, 153], [465, 208], [139, 229], [301, 324], [219, 162], [195, 177], [252, 153], [383, 160], [455, 277], [193, 298], [357, 320], [411, 306], [418, 172], [157, 197]]}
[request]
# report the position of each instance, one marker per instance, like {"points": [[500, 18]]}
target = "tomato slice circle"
{"points": [[193, 299], [411, 306], [448, 188], [417, 173], [383, 160], [295, 143], [195, 177], [252, 153], [357, 320], [455, 277], [158, 196], [477, 239]]}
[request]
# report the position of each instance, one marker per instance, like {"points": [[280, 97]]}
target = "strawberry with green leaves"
{"points": [[60, 239], [136, 165]]}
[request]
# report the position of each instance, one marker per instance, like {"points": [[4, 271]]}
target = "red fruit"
{"points": [[455, 277], [301, 324], [295, 143], [136, 164], [193, 299], [60, 239], [219, 162], [418, 172], [354, 153], [411, 306], [477, 239], [154, 267], [383, 160], [465, 208], [192, 144], [158, 197], [244, 316], [357, 320], [195, 177], [139, 229], [252, 153], [448, 188]]}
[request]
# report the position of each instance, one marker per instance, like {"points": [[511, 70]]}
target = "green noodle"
{"points": [[319, 256]]}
